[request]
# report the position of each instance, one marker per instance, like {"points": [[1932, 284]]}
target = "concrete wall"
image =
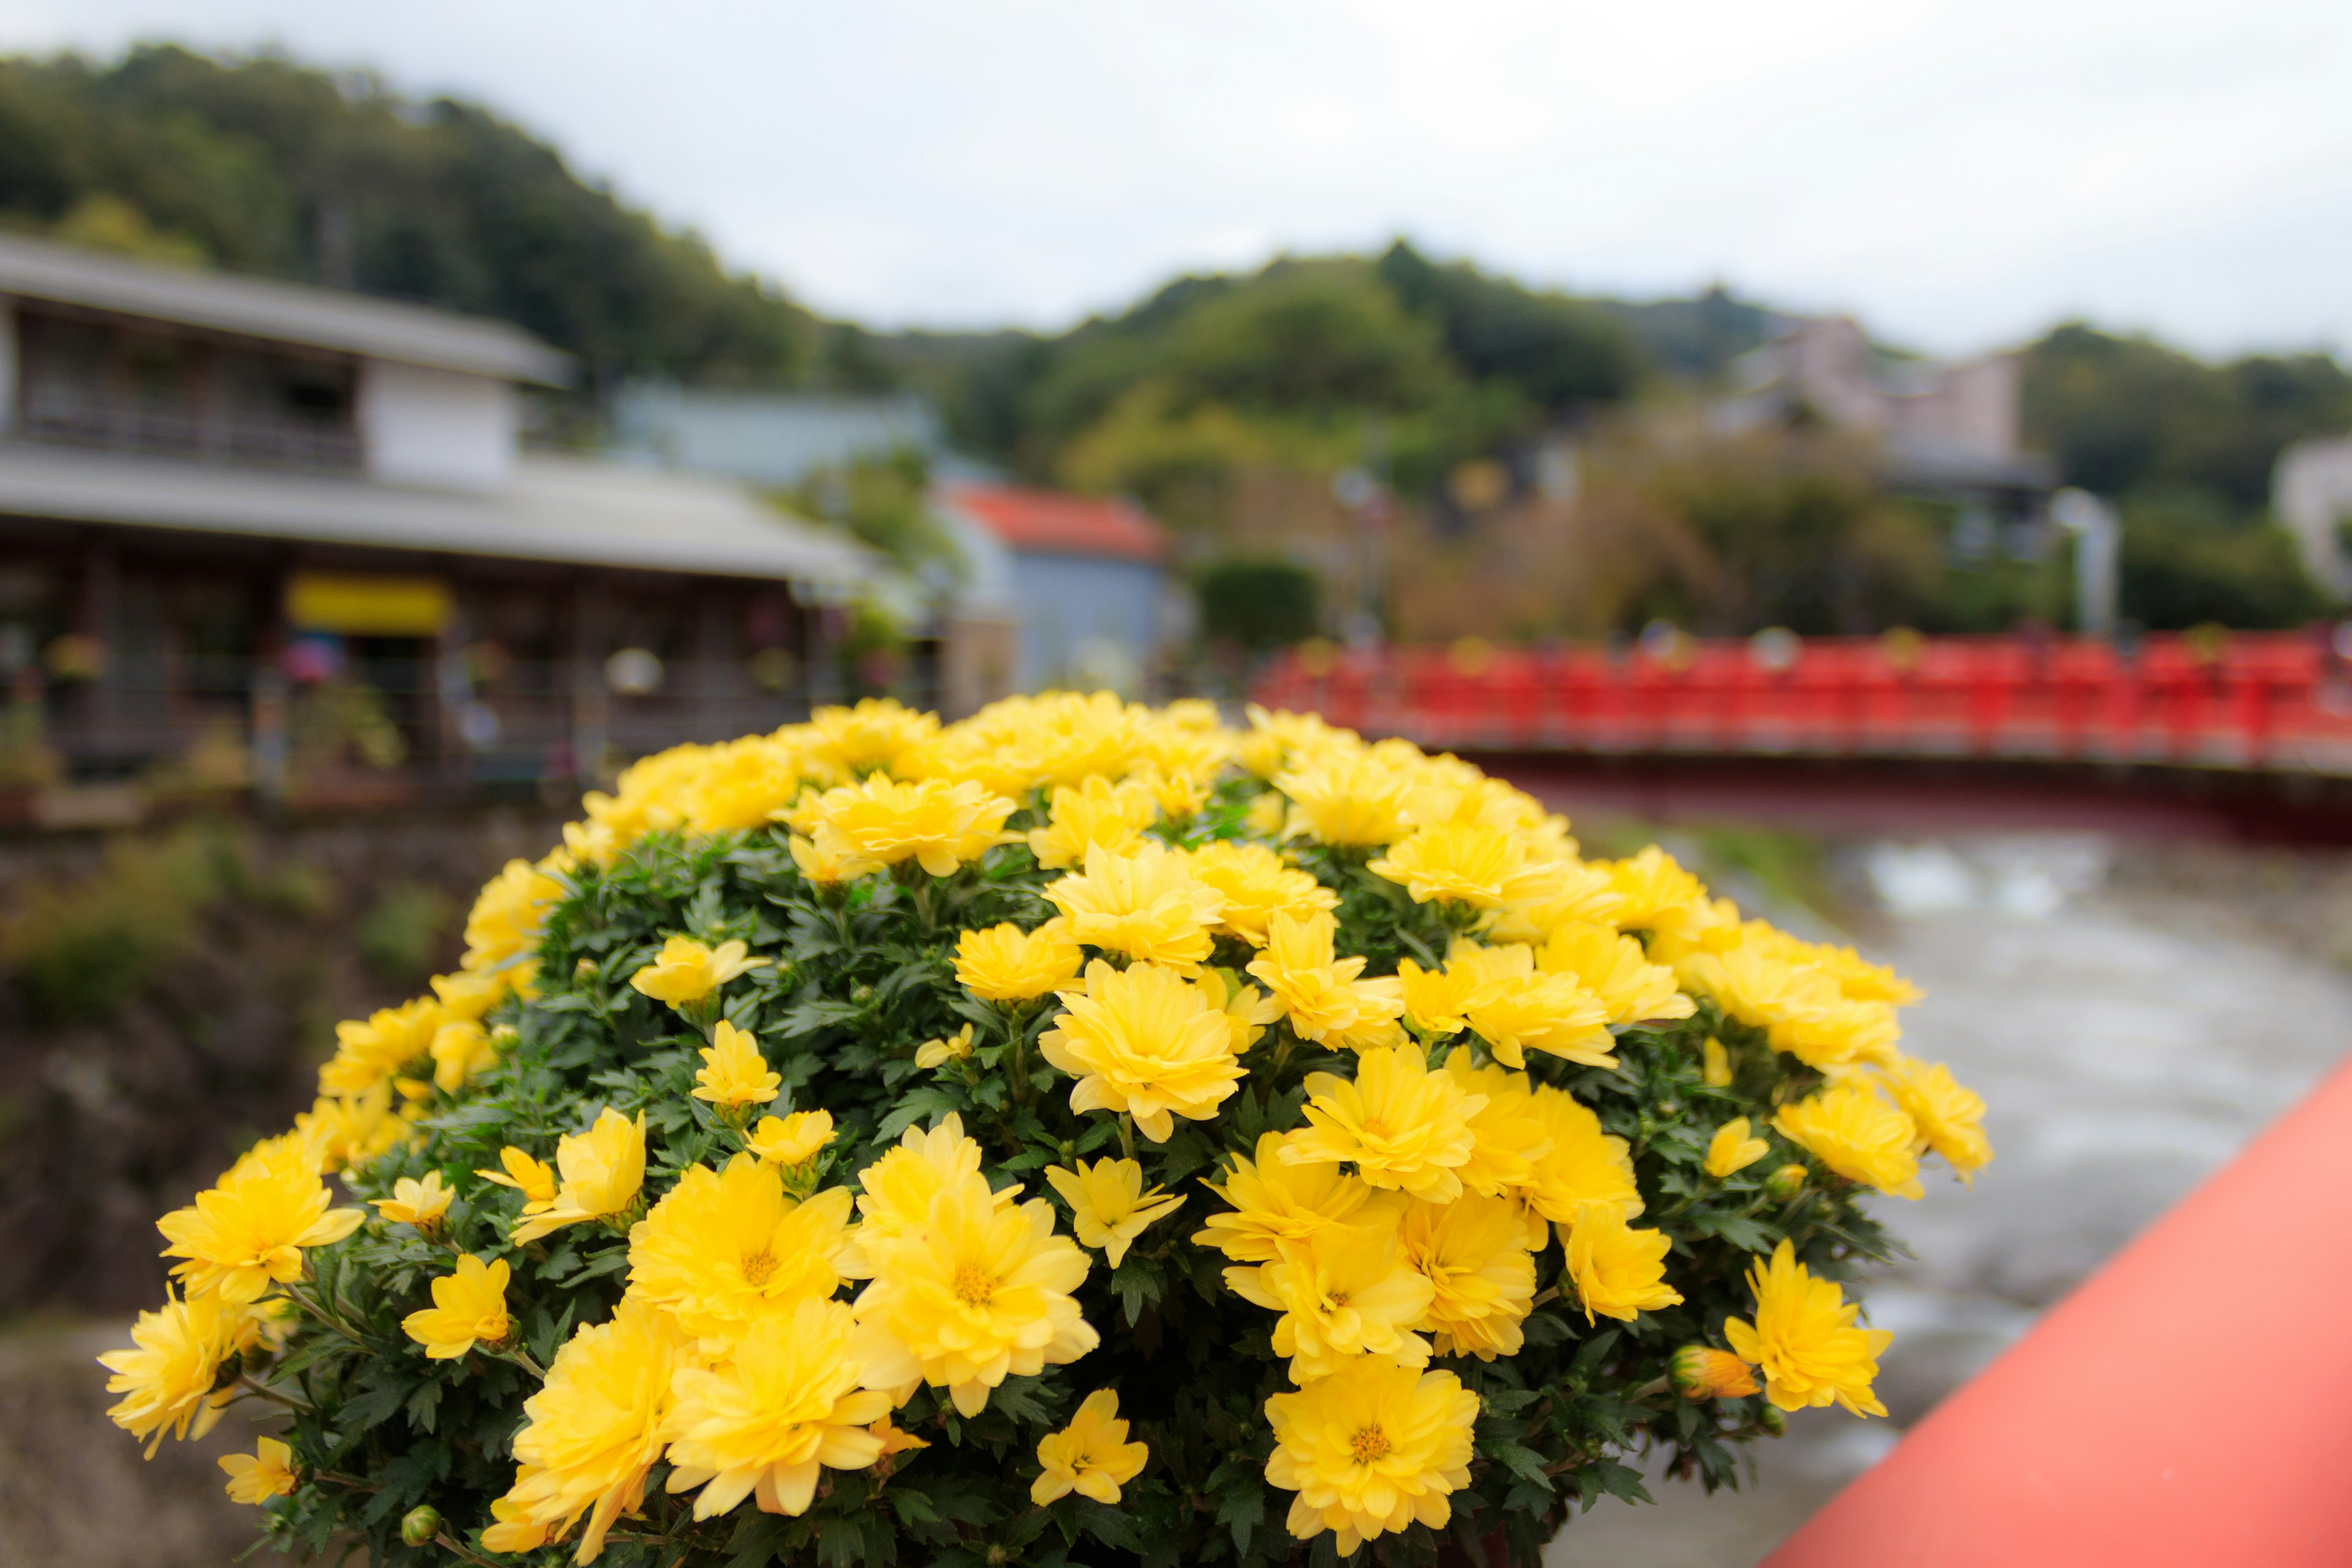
{"points": [[1087, 622], [439, 428]]}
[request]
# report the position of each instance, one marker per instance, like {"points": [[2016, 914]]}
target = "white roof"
{"points": [[577, 510], [280, 312]]}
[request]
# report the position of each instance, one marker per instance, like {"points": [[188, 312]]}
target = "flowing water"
{"points": [[2132, 1020]]}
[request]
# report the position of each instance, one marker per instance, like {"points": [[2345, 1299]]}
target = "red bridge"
{"points": [[2244, 732]]}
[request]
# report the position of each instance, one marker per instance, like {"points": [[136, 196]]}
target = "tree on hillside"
{"points": [[266, 166]]}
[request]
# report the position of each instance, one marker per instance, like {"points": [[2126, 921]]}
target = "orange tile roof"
{"points": [[1055, 523]]}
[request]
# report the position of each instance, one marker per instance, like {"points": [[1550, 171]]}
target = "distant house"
{"points": [[1084, 577], [288, 532], [2311, 497], [770, 439], [1948, 429]]}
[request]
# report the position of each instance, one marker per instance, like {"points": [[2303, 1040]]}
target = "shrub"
{"points": [[1257, 603], [1080, 1134]]}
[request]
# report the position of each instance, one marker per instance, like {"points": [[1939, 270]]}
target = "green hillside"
{"points": [[1224, 400]]}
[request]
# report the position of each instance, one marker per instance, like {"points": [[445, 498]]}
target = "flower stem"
{"points": [[263, 1391], [1127, 1134]]}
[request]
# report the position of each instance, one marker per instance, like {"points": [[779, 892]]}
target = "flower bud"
{"points": [[1773, 1421], [420, 1524], [1786, 1182], [1701, 1371]]}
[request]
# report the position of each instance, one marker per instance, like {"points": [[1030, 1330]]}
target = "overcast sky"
{"points": [[1959, 173]]}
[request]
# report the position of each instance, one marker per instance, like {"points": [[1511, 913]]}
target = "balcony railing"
{"points": [[128, 425]]}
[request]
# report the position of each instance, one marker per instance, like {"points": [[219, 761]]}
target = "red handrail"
{"points": [[2268, 700]]}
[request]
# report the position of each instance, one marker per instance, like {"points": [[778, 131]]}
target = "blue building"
{"points": [[1080, 583]]}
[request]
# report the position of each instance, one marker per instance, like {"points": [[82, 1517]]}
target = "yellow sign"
{"points": [[367, 606]]}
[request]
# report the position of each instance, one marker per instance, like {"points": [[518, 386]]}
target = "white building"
{"points": [[2311, 497], [213, 486]]}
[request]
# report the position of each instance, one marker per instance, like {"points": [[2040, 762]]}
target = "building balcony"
{"points": [[233, 437]]}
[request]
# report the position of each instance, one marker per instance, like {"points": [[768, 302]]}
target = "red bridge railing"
{"points": [[2250, 700]]}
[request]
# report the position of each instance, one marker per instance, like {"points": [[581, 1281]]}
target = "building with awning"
{"points": [[250, 524]]}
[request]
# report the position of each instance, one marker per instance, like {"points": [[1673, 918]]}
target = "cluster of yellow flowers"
{"points": [[771, 1325]]}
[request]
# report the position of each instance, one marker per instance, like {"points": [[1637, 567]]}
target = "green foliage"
{"points": [[77, 949], [264, 166], [885, 502], [1257, 603], [2126, 414], [404, 931], [863, 975], [2186, 562]]}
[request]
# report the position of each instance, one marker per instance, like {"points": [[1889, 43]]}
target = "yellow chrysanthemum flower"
{"points": [[936, 824], [898, 1187], [168, 1374], [1108, 1207], [789, 1400], [266, 1473], [1370, 1451], [461, 1049], [469, 1306], [1509, 1137], [596, 1427], [1143, 1041], [1474, 1254], [1005, 964], [1771, 982], [534, 1179], [1715, 1064], [247, 1234], [1702, 1372], [1950, 1118], [602, 1168], [1617, 1271], [1467, 863], [846, 742], [741, 785], [1321, 994], [793, 1140], [1276, 1203], [1856, 1134], [1584, 1164], [350, 1130], [979, 1292], [733, 1072], [1614, 968], [1400, 1124], [725, 1249], [1267, 814], [1179, 794], [1258, 886], [1731, 1150], [826, 865], [1804, 1339], [687, 971], [1653, 888], [420, 1203], [1348, 801], [1097, 812], [1246, 1009], [1438, 1002], [1526, 1009], [1584, 895], [938, 1053], [1344, 1291], [467, 995], [506, 920], [512, 1528], [1091, 1456], [1275, 736], [1147, 905], [392, 1040]]}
